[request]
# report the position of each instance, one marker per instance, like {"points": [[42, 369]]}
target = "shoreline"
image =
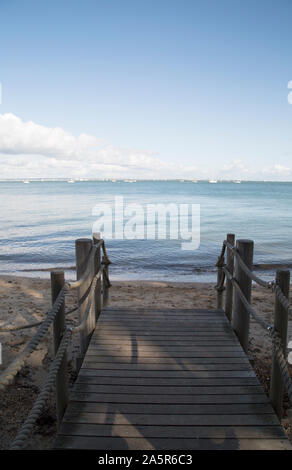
{"points": [[26, 300], [115, 282], [198, 276]]}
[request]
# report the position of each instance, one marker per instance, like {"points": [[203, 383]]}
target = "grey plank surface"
{"points": [[186, 432], [151, 375], [167, 368], [169, 399], [181, 409], [125, 443]]}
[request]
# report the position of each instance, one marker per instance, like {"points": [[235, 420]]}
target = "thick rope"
{"points": [[106, 278], [276, 339], [17, 328], [87, 273], [107, 260], [245, 268], [284, 371], [282, 298], [246, 303], [220, 286], [10, 372], [82, 325], [267, 284], [37, 408], [220, 261], [31, 325]]}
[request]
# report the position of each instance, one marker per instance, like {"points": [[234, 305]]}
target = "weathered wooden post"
{"points": [[220, 281], [83, 248], [229, 286], [105, 289], [240, 313], [97, 266], [57, 283], [281, 326], [219, 298]]}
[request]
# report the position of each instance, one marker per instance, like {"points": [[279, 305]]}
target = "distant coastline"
{"points": [[136, 180]]}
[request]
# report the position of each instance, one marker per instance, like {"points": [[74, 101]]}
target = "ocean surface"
{"points": [[40, 221]]}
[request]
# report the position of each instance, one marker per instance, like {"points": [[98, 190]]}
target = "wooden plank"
{"points": [[151, 384], [159, 321], [170, 399], [154, 311], [171, 312], [164, 363], [169, 326], [185, 432], [157, 389], [206, 332], [228, 390], [155, 354], [200, 336], [122, 443], [108, 341], [175, 419], [174, 409], [159, 370], [180, 377], [151, 324], [164, 317], [95, 349], [146, 310]]}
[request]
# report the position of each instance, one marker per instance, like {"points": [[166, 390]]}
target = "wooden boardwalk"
{"points": [[165, 380]]}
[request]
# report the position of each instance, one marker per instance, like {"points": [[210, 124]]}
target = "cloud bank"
{"points": [[30, 150]]}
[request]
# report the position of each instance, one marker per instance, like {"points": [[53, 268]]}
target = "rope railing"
{"points": [[38, 406], [87, 273], [245, 268], [248, 306], [282, 298], [10, 372], [56, 316], [31, 325], [267, 284], [82, 325], [242, 309]]}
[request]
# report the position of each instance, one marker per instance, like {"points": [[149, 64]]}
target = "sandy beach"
{"points": [[26, 300]]}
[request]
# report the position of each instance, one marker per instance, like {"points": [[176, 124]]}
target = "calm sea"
{"points": [[41, 220]]}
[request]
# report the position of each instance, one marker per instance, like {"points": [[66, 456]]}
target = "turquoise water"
{"points": [[41, 220]]}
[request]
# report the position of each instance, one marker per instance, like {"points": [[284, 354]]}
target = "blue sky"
{"points": [[187, 88]]}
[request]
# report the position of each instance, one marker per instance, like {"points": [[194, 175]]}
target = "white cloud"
{"points": [[18, 137], [43, 149], [277, 169], [235, 165], [30, 150]]}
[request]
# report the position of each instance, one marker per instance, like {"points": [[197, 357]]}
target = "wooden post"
{"points": [[83, 247], [105, 288], [229, 287], [281, 326], [240, 313], [57, 282], [97, 266], [219, 298]]}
